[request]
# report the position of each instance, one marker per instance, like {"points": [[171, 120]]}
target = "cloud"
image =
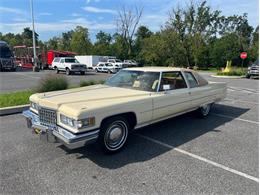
{"points": [[20, 19], [88, 1], [60, 26], [99, 10], [75, 15], [45, 14], [11, 10]]}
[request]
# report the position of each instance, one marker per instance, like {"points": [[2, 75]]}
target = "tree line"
{"points": [[194, 35]]}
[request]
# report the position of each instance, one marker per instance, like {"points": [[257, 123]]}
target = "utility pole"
{"points": [[35, 66]]}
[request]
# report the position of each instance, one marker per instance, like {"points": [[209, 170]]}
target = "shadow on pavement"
{"points": [[175, 132]]}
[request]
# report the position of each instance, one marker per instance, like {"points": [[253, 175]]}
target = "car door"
{"points": [[175, 99], [62, 64], [199, 93]]}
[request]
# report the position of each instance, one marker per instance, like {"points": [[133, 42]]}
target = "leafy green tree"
{"points": [[142, 33], [80, 42], [254, 48], [102, 45]]}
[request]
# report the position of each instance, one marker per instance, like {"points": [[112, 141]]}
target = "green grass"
{"points": [[52, 83], [47, 84], [233, 72], [15, 98]]}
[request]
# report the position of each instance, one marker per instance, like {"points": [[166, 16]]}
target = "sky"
{"points": [[52, 17]]}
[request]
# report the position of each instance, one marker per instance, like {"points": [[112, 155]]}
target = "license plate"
{"points": [[37, 131]]}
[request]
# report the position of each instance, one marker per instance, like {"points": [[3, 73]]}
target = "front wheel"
{"points": [[113, 134], [68, 71], [204, 110]]}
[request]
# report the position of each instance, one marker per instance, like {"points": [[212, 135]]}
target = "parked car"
{"points": [[68, 65], [253, 70], [117, 62], [6, 57], [130, 63], [131, 99], [106, 67]]}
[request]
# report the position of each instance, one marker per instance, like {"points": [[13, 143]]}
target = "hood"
{"points": [[85, 98]]}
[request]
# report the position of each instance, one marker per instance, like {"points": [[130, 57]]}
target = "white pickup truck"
{"points": [[68, 65]]}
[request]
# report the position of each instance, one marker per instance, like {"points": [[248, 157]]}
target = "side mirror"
{"points": [[166, 87]]}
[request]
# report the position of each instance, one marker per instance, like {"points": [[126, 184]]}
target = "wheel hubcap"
{"points": [[205, 109], [116, 135]]}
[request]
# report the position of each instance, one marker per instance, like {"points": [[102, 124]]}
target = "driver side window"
{"points": [[175, 80]]}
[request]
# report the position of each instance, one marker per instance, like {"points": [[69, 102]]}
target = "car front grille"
{"points": [[47, 117]]}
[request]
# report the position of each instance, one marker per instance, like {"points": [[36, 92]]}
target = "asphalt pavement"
{"points": [[26, 79], [182, 155]]}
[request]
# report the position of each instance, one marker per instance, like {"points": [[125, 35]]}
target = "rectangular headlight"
{"points": [[34, 106], [88, 122]]}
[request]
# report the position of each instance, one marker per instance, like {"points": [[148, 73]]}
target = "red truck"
{"points": [[51, 54]]}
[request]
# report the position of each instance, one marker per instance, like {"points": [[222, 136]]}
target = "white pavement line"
{"points": [[200, 158], [243, 90], [243, 101], [235, 118]]}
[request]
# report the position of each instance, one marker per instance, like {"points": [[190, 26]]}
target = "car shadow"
{"points": [[174, 132]]}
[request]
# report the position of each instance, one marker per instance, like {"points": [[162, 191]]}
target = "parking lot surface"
{"points": [[22, 79], [183, 155]]}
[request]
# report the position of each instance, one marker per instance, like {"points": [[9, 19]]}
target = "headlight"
{"points": [[34, 106], [88, 122]]}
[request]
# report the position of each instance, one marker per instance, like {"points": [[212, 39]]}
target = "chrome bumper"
{"points": [[54, 133]]}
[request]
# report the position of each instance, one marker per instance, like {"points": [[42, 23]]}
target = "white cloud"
{"points": [[60, 26], [99, 10], [153, 21], [45, 14], [11, 10], [88, 1], [20, 19], [75, 15]]}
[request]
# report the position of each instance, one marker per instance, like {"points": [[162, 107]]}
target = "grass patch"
{"points": [[233, 72], [52, 83], [49, 83], [15, 98], [91, 82]]}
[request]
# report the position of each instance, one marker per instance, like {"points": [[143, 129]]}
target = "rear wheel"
{"points": [[204, 110], [113, 134], [82, 73], [57, 70]]}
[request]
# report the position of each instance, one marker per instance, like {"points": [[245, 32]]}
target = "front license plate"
{"points": [[37, 131]]}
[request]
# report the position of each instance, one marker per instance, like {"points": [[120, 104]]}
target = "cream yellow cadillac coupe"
{"points": [[133, 98]]}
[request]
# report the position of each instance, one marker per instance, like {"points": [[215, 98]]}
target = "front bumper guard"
{"points": [[53, 133]]}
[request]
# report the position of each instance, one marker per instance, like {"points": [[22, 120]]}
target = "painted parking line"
{"points": [[200, 158], [235, 118], [244, 90], [242, 101]]}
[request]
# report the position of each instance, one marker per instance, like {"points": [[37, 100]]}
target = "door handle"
{"points": [[189, 92]]}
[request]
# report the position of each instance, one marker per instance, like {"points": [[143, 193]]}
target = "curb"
{"points": [[227, 77], [13, 109]]}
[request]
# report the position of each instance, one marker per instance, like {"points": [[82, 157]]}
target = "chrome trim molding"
{"points": [[69, 139]]}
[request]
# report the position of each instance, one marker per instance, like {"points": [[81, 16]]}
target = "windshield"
{"points": [[5, 52], [71, 60], [118, 60], [139, 80]]}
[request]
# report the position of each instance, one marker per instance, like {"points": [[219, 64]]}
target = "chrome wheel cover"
{"points": [[205, 109], [116, 135]]}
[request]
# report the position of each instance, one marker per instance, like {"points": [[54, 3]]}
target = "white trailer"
{"points": [[92, 60]]}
